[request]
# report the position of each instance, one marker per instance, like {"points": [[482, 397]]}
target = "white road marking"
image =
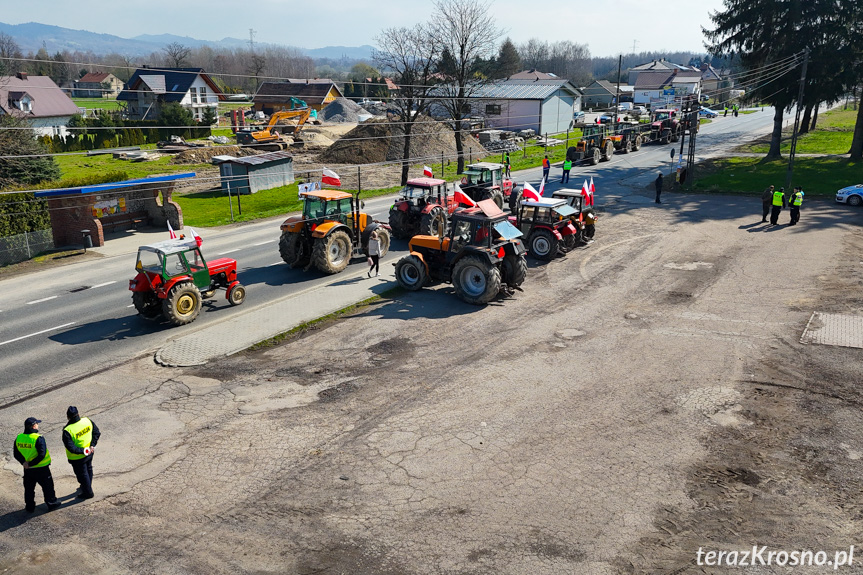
{"points": [[133, 305], [264, 243], [41, 300], [229, 252], [38, 332], [103, 285]]}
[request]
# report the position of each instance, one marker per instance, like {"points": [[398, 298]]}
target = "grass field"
{"points": [[94, 103], [818, 176], [80, 166], [832, 135]]}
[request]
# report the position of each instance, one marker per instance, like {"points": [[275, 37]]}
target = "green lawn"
{"points": [[93, 103], [818, 176], [832, 135], [74, 167]]}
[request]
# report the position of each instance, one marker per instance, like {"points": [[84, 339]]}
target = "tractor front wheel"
{"points": [[637, 144], [434, 223], [411, 273], [147, 305], [494, 195], [475, 280], [332, 254], [182, 304], [514, 270], [237, 294], [594, 156], [543, 245], [608, 151], [294, 250], [589, 231], [627, 147], [515, 199], [400, 223], [570, 241]]}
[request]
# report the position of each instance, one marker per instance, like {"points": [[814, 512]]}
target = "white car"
{"points": [[852, 195]]}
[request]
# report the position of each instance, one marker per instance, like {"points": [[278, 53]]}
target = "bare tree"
{"points": [[410, 54], [467, 35], [176, 54], [9, 53]]}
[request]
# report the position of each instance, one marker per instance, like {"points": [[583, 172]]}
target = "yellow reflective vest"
{"points": [[26, 444], [798, 199], [778, 198], [82, 434]]}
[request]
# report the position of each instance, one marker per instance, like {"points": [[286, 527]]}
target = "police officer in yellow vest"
{"points": [[795, 202], [80, 437], [778, 204], [32, 452]]}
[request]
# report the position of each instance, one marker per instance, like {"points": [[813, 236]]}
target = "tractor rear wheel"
{"points": [[514, 270], [411, 273], [475, 280], [295, 250], [543, 245], [237, 294], [147, 305], [607, 150], [400, 223], [183, 304], [332, 254], [494, 195], [572, 154], [594, 156], [434, 223], [637, 144], [675, 134], [627, 147], [515, 199]]}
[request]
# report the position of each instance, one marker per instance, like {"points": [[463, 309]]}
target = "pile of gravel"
{"points": [[342, 110]]}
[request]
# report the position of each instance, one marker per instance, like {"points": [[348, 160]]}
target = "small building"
{"points": [[37, 99], [274, 96], [599, 95], [666, 87], [661, 65], [149, 88], [255, 173], [97, 85], [546, 106], [115, 206]]}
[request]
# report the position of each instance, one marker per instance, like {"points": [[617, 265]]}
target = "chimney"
{"points": [[22, 76]]}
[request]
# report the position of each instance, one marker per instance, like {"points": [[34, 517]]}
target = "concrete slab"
{"points": [[834, 329]]}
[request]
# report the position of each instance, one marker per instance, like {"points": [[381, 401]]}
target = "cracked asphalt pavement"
{"points": [[643, 397]]}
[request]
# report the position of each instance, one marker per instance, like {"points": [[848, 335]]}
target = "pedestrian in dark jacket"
{"points": [[766, 202], [658, 183], [80, 437], [31, 452]]}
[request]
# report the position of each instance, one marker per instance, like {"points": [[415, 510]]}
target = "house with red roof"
{"points": [[97, 85], [39, 101]]}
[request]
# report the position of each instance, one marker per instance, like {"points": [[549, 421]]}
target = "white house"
{"points": [[660, 88], [38, 100], [149, 88]]}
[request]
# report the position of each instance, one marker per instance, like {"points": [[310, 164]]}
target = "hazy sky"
{"points": [[607, 26]]}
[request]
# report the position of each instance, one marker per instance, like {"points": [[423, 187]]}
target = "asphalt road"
{"points": [[66, 322]]}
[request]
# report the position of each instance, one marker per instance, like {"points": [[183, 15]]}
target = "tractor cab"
{"points": [[547, 225], [423, 207], [584, 217], [420, 191], [327, 205], [163, 261], [484, 181]]}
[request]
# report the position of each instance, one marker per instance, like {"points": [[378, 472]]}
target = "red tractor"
{"points": [[173, 278], [423, 208], [546, 225], [665, 126], [485, 181]]}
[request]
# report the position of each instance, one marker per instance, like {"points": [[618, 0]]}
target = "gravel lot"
{"points": [[642, 398]]}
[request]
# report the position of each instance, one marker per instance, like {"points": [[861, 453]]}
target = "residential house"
{"points": [[546, 106], [149, 88], [274, 96], [533, 75], [711, 80], [599, 94], [38, 100], [654, 66], [97, 85], [666, 87]]}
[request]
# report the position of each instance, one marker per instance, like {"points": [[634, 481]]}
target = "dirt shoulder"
{"points": [[643, 397]]}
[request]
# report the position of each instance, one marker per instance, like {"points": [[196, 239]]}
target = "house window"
{"points": [[492, 109], [194, 94], [202, 91]]}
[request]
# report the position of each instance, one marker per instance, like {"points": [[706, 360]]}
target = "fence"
{"points": [[14, 249]]}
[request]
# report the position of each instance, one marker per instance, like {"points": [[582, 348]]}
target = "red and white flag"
{"points": [[171, 232], [330, 178], [530, 193], [541, 187], [592, 187], [198, 239], [427, 172], [462, 198]]}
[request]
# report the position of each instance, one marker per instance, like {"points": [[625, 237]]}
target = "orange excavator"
{"points": [[299, 113]]}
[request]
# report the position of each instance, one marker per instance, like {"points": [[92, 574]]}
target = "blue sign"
{"points": [[668, 92]]}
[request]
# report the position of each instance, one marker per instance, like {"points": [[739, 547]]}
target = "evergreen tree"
{"points": [[508, 60]]}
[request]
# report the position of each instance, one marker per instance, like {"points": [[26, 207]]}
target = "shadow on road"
{"points": [[19, 517], [115, 329]]}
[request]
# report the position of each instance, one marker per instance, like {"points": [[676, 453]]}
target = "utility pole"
{"points": [[617, 97], [252, 33], [694, 124], [634, 42], [791, 154]]}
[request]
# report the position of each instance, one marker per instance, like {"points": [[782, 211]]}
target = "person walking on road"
{"points": [[567, 166], [506, 164], [374, 254], [658, 183], [31, 452], [778, 203], [80, 437], [725, 115], [766, 202], [795, 201], [546, 167]]}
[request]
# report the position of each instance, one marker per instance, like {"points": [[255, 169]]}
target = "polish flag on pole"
{"points": [[427, 172], [541, 187], [331, 178], [585, 194], [198, 239], [530, 193], [592, 187], [462, 198], [171, 232]]}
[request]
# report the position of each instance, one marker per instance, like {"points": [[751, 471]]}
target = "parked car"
{"points": [[578, 116], [707, 113], [852, 195]]}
